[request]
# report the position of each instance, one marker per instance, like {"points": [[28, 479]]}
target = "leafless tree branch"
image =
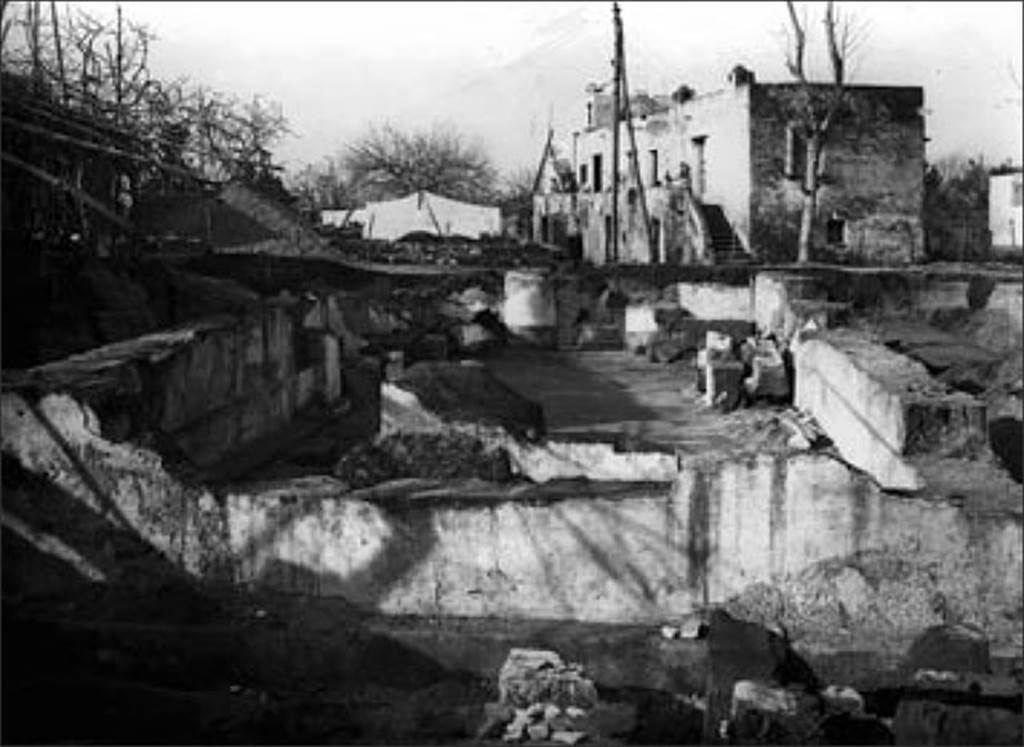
{"points": [[795, 56]]}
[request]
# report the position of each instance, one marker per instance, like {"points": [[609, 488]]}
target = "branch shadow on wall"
{"points": [[99, 618]]}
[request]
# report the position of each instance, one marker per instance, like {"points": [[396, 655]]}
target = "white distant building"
{"points": [[1005, 197], [420, 212]]}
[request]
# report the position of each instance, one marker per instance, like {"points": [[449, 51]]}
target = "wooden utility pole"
{"points": [[119, 67], [32, 11], [60, 51], [652, 249], [616, 119]]}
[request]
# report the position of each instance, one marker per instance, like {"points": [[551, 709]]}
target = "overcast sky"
{"points": [[502, 71]]}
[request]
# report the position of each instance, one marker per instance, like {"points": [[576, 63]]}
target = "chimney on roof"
{"points": [[741, 76]]}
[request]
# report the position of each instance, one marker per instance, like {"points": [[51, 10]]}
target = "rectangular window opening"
{"points": [[835, 232]]}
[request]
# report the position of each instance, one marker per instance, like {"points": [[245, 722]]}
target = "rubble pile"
{"points": [[431, 323], [448, 456], [543, 699], [761, 692], [447, 252], [732, 373]]}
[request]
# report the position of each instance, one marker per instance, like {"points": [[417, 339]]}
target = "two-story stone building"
{"points": [[721, 176]]}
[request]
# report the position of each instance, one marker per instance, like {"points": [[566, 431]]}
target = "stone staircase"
{"points": [[726, 247]]}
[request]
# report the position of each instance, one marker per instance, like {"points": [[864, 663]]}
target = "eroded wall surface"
{"points": [[872, 176], [823, 536]]}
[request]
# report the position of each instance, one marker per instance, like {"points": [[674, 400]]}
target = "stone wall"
{"points": [[724, 119], [873, 174], [207, 387], [838, 552], [882, 293], [588, 215], [717, 300]]}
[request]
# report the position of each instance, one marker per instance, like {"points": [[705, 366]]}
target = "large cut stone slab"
{"points": [[879, 407], [717, 300]]}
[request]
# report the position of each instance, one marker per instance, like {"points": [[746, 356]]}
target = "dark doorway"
{"points": [[700, 178], [835, 232]]}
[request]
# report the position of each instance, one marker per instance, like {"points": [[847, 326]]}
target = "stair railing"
{"points": [[697, 226]]}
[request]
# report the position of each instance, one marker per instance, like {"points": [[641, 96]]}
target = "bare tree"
{"points": [[326, 185], [100, 68], [817, 106], [387, 162], [515, 198]]}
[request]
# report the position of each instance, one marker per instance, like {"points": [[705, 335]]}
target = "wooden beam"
{"points": [[59, 183], [543, 159], [98, 148]]}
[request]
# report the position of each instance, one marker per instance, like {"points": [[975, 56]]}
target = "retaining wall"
{"points": [[819, 533], [208, 386], [717, 300]]}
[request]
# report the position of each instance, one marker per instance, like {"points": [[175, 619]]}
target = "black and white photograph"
{"points": [[512, 373]]}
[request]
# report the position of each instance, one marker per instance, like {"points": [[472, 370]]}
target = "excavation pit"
{"points": [[310, 606]]}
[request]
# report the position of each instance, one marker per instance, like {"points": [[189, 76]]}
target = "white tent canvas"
{"points": [[340, 218], [430, 213]]}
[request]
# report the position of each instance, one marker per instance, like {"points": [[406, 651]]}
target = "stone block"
{"points": [[567, 736], [777, 298], [474, 337], [760, 696], [716, 300], [768, 378], [666, 350], [842, 700], [717, 342], [332, 368], [641, 327], [879, 407], [538, 732], [692, 333], [701, 364], [824, 315], [723, 384]]}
